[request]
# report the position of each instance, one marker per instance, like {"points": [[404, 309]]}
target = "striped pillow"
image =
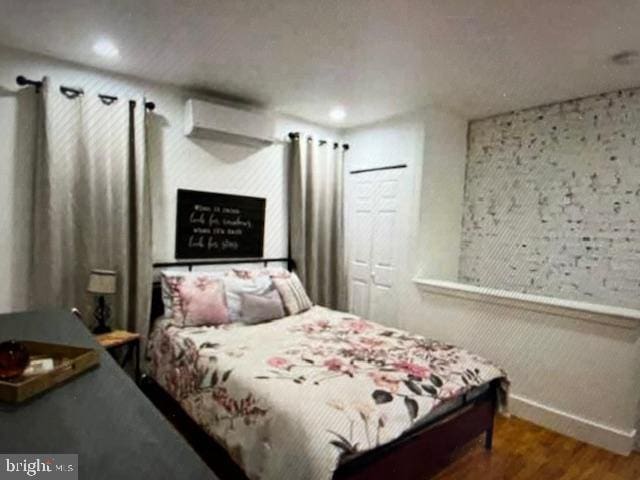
{"points": [[293, 294]]}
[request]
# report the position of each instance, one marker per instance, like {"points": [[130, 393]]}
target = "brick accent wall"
{"points": [[552, 201]]}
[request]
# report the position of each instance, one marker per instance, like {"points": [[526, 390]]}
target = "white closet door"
{"points": [[375, 205], [360, 228], [385, 244]]}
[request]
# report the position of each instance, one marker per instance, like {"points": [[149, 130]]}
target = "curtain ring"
{"points": [[71, 93], [107, 99]]}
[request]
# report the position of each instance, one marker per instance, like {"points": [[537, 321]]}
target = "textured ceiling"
{"points": [[377, 58]]}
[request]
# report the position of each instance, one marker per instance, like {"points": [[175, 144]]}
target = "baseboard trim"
{"points": [[612, 439]]}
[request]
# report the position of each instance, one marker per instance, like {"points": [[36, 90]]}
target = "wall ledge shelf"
{"points": [[615, 316]]}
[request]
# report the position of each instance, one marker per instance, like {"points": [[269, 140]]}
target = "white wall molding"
{"points": [[604, 436], [614, 316]]}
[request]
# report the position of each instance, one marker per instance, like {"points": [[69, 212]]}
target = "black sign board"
{"points": [[214, 225]]}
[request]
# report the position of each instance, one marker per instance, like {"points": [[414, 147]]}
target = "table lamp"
{"points": [[101, 283]]}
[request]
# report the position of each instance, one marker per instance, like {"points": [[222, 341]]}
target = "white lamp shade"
{"points": [[102, 282]]}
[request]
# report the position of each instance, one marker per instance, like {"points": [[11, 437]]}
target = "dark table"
{"points": [[100, 415]]}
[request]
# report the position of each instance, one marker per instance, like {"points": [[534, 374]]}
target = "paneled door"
{"points": [[373, 212]]}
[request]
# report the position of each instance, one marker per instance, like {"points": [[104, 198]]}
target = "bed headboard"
{"points": [[157, 307]]}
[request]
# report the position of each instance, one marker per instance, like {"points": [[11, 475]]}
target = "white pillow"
{"points": [[236, 287]]}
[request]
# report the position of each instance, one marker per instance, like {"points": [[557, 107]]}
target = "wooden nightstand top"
{"points": [[116, 338]]}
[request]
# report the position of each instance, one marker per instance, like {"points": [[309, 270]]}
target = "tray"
{"points": [[69, 362]]}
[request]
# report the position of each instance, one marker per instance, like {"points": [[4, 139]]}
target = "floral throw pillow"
{"points": [[203, 302], [175, 303], [170, 296]]}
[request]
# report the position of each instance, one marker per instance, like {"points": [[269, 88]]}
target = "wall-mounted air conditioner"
{"points": [[227, 124]]}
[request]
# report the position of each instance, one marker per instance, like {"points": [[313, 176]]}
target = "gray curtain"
{"points": [[316, 219], [91, 205]]}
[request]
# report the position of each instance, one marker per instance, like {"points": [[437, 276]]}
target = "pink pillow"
{"points": [[203, 302]]}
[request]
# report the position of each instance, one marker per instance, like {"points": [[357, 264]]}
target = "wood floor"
{"points": [[523, 451]]}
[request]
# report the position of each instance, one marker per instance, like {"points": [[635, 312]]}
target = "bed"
{"points": [[319, 395]]}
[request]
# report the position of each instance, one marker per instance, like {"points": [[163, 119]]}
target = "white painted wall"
{"points": [[442, 193], [175, 162]]}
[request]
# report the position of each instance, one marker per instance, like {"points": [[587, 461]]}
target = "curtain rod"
{"points": [[294, 135], [73, 92]]}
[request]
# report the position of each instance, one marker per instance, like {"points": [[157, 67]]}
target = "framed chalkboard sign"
{"points": [[214, 225]]}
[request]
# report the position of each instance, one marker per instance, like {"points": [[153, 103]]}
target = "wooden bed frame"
{"points": [[418, 454]]}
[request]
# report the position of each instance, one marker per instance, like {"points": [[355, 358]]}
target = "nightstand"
{"points": [[119, 340]]}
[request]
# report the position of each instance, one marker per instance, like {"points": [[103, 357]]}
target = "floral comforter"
{"points": [[289, 398]]}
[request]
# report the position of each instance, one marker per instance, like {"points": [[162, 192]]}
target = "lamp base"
{"points": [[101, 329], [102, 314]]}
